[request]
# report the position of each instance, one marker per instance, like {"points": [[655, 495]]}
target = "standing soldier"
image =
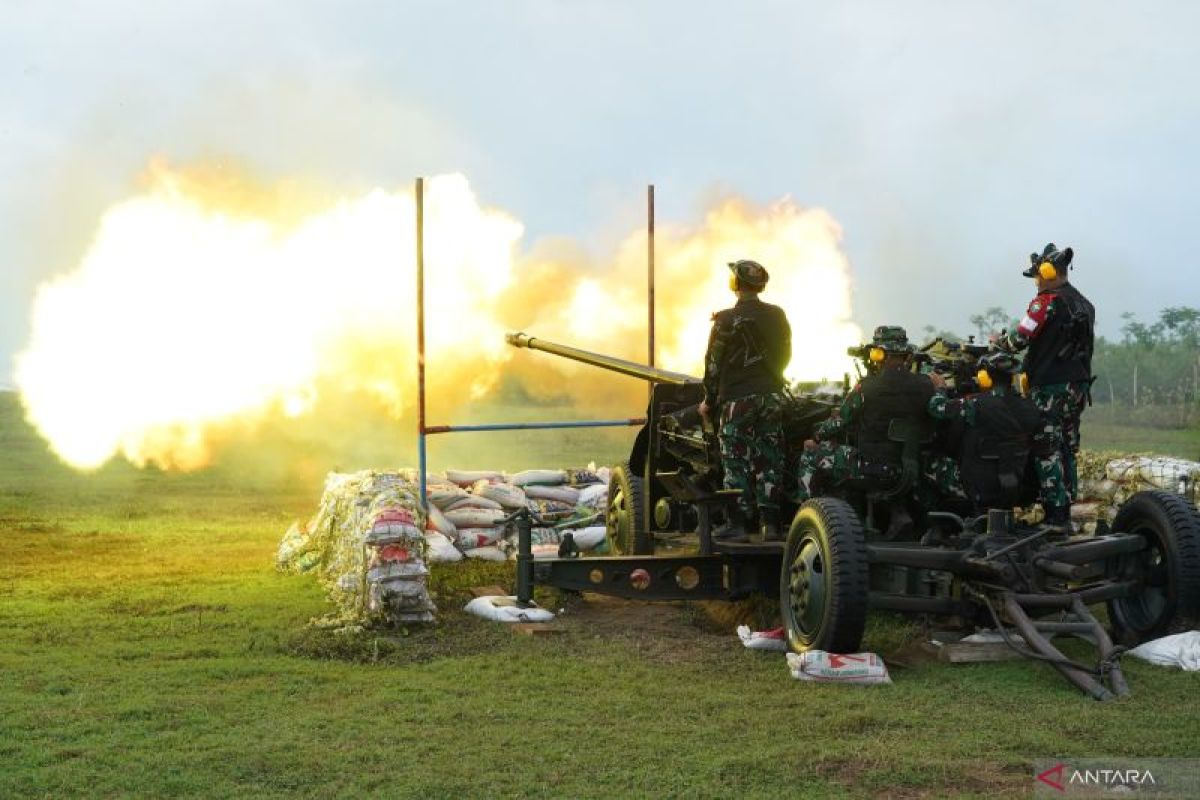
{"points": [[1057, 335], [749, 347]]}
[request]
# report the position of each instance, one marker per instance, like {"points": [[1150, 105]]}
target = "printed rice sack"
{"points": [[465, 478], [539, 477], [470, 517], [563, 494], [505, 494], [470, 538]]}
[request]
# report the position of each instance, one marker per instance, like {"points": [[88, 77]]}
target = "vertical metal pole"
{"points": [[420, 200], [650, 269]]}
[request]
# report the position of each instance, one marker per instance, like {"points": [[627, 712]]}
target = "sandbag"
{"points": [[440, 550], [505, 609], [445, 496], [595, 496], [465, 478], [487, 554], [561, 494], [437, 522], [583, 477], [473, 501], [505, 494], [539, 477], [1180, 650], [822, 667], [588, 538], [393, 524], [551, 510], [774, 640], [474, 517], [469, 538]]}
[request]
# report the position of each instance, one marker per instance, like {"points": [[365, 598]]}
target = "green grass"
{"points": [[150, 649]]}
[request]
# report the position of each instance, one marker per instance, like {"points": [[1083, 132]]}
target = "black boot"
{"points": [[1059, 519], [734, 529], [771, 530]]}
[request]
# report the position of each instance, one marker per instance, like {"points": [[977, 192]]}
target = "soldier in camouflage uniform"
{"points": [[1057, 335], [998, 427], [748, 349], [853, 443]]}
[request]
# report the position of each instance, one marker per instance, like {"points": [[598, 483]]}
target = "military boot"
{"points": [[771, 529], [1058, 519], [734, 529]]}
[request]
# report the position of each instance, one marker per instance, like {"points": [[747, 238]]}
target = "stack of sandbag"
{"points": [[1108, 479], [367, 546]]}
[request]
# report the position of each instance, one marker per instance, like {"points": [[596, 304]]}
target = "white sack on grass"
{"points": [[437, 522], [440, 550], [539, 477], [466, 478], [822, 667], [775, 640], [505, 609], [1181, 650], [563, 494], [472, 501], [470, 538], [474, 517], [487, 554], [588, 538], [593, 496], [505, 494]]}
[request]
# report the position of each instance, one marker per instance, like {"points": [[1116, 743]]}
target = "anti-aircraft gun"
{"points": [[672, 479], [986, 566]]}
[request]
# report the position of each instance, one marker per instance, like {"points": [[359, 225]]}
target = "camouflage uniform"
{"points": [[748, 348], [1057, 333], [838, 462], [753, 451]]}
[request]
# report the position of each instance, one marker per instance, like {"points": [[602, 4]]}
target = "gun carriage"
{"points": [[842, 557]]}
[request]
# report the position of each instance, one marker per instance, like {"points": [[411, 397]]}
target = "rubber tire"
{"points": [[625, 514], [828, 538], [1174, 524]]}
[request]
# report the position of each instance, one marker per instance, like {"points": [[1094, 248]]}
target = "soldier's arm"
{"points": [[713, 356], [843, 417], [1030, 326], [945, 408]]}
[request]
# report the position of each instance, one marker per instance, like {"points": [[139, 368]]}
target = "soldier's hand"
{"points": [[705, 412]]}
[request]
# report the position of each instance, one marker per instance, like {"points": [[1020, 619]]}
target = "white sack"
{"points": [[470, 538], [505, 609], [588, 538], [437, 522], [563, 494], [1181, 650], [775, 640], [539, 477], [593, 496], [466, 478], [439, 549], [474, 517], [822, 667], [487, 554], [505, 494]]}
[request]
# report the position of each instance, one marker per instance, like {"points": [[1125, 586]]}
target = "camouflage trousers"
{"points": [[752, 452], [945, 476], [831, 461], [1056, 446]]}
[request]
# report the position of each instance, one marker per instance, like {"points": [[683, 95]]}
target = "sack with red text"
{"points": [[822, 667]]}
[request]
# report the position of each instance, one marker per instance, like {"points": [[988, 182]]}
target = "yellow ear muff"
{"points": [[876, 355], [983, 379], [733, 283], [1047, 271], [1024, 381]]}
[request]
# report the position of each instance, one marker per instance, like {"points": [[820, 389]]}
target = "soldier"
{"points": [[853, 443], [999, 428], [1057, 335], [749, 347]]}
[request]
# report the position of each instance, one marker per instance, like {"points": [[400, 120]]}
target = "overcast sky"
{"points": [[948, 138]]}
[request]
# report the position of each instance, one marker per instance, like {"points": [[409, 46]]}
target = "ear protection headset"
{"points": [[984, 379], [733, 282], [1047, 271], [876, 355]]}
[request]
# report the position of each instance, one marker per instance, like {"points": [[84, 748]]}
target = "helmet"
{"points": [[750, 274], [1000, 363], [891, 339], [1051, 263]]}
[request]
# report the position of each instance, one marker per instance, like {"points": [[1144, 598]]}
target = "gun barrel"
{"points": [[611, 363]]}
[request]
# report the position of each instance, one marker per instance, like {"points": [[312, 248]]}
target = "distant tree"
{"points": [[991, 321]]}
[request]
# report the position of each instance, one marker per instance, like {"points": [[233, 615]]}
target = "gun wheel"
{"points": [[823, 580], [1169, 568], [625, 521]]}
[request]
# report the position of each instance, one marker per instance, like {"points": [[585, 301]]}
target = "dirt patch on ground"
{"points": [[666, 632]]}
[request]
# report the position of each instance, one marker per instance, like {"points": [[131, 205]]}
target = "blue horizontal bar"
{"points": [[526, 426]]}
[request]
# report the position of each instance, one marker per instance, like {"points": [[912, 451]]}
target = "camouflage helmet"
{"points": [[999, 362], [891, 339], [1059, 259], [750, 273]]}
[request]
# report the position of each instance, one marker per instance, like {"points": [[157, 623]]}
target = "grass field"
{"points": [[150, 649]]}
